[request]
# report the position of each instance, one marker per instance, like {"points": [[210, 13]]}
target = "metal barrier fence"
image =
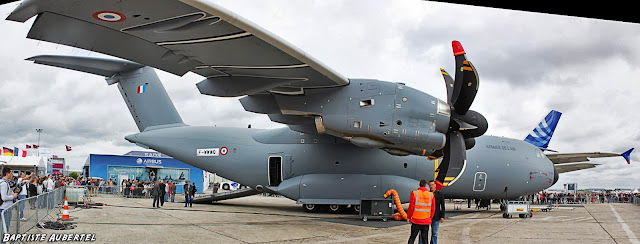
{"points": [[636, 200], [25, 214], [134, 192]]}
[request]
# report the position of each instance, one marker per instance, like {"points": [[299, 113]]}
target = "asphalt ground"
{"points": [[258, 219]]}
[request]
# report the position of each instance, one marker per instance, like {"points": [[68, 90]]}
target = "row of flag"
{"points": [[16, 152]]}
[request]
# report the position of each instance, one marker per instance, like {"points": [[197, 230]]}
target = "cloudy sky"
{"points": [[528, 63]]}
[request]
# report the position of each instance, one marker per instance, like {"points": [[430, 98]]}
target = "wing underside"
{"points": [[235, 56], [564, 168]]}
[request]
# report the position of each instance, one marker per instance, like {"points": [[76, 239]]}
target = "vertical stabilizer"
{"points": [[541, 135], [139, 85]]}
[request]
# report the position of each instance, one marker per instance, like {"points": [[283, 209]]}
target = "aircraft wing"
{"points": [[567, 162], [564, 168], [561, 158], [235, 56]]}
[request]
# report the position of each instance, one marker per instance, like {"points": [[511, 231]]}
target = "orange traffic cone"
{"points": [[65, 209]]}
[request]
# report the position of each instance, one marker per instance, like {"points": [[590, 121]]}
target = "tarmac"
{"points": [[260, 219]]}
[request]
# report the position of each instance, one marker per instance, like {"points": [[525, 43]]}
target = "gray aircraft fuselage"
{"points": [[322, 169], [316, 168]]}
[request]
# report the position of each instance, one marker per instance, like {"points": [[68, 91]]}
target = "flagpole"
{"points": [[39, 131]]}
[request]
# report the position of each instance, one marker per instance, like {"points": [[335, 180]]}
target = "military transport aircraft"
{"points": [[346, 139]]}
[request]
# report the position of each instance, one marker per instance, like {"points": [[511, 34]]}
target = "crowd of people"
{"points": [[581, 198]]}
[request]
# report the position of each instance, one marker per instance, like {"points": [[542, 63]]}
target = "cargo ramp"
{"points": [[225, 195]]}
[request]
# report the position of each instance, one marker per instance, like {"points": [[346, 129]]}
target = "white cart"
{"points": [[522, 208]]}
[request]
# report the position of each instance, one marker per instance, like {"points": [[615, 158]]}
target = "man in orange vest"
{"points": [[421, 208]]}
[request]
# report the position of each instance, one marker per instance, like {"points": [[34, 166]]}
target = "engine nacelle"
{"points": [[368, 113]]}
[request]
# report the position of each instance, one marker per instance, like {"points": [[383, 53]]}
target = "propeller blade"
{"points": [[461, 125], [468, 88], [449, 83], [454, 159], [465, 85], [476, 119]]}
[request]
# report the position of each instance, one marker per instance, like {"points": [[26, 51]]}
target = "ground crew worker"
{"points": [[421, 207]]}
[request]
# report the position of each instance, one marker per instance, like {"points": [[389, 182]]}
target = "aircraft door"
{"points": [[275, 170], [480, 181]]}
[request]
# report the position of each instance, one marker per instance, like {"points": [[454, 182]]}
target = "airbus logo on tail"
{"points": [[541, 135]]}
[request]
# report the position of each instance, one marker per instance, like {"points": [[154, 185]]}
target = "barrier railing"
{"points": [[25, 214], [135, 192]]}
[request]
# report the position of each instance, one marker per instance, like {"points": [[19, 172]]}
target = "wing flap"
{"points": [[564, 168]]}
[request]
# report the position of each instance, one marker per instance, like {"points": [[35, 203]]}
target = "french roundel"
{"points": [[224, 151], [109, 16]]}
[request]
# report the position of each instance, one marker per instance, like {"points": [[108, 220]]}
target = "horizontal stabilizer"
{"points": [[97, 66]]}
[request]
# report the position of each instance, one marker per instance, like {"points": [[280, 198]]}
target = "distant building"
{"points": [[24, 164], [145, 166], [56, 165]]}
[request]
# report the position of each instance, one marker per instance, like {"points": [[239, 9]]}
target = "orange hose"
{"points": [[401, 214]]}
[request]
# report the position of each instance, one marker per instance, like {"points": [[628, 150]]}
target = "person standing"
{"points": [[421, 207], [438, 215], [32, 191], [193, 193], [163, 193], [49, 184], [22, 184], [187, 193], [172, 191], [156, 192], [7, 195]]}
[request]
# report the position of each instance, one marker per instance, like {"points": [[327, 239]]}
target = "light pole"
{"points": [[39, 131]]}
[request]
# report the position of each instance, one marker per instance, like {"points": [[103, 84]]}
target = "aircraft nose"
{"points": [[556, 175]]}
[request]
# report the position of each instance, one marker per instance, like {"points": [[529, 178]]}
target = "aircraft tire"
{"points": [[311, 208], [335, 208], [356, 208], [226, 187], [522, 215]]}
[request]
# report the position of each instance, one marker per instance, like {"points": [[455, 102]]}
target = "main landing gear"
{"points": [[331, 208]]}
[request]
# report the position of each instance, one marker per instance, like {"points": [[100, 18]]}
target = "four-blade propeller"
{"points": [[464, 124]]}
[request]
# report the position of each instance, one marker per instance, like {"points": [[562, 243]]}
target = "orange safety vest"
{"points": [[422, 204]]}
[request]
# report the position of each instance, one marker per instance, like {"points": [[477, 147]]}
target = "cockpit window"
{"points": [[538, 153]]}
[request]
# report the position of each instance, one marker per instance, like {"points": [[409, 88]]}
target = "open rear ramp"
{"points": [[225, 195]]}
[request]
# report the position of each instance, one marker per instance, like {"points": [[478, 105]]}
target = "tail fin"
{"points": [[541, 135], [627, 155], [139, 85]]}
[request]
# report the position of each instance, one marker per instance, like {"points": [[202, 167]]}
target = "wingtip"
{"points": [[627, 155]]}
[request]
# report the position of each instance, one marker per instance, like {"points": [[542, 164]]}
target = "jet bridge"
{"points": [[225, 195]]}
